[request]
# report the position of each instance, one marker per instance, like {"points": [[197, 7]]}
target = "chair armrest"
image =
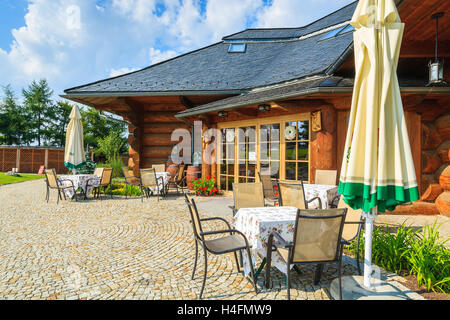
{"points": [[316, 198], [217, 218], [345, 242], [283, 242], [71, 182]]}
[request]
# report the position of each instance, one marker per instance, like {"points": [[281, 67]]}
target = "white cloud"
{"points": [[72, 42], [157, 56], [121, 71]]}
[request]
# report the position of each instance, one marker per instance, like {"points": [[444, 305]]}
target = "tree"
{"points": [[57, 119], [95, 128], [13, 120], [110, 146], [38, 101]]}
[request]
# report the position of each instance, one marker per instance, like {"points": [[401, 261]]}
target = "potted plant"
{"points": [[205, 186]]}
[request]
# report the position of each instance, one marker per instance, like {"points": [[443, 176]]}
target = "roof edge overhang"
{"points": [[147, 93], [304, 93]]}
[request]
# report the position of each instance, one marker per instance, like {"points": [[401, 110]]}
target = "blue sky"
{"points": [[73, 42]]}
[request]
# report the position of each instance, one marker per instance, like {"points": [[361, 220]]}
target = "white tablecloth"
{"points": [[165, 176], [79, 180], [326, 194], [258, 223]]}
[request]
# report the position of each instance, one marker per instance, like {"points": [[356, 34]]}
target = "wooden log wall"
{"points": [[156, 124]]}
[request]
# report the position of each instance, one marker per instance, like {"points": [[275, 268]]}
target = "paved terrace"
{"points": [[122, 249]]}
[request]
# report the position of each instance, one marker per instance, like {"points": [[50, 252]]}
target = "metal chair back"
{"points": [[98, 172], [267, 184], [51, 177], [148, 177], [317, 235], [352, 221], [327, 177], [159, 167], [292, 194], [248, 195], [106, 176], [195, 218]]}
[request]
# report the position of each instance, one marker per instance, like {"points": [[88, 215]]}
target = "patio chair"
{"points": [[247, 195], [327, 177], [317, 240], [149, 180], [53, 182], [130, 180], [97, 172], [159, 167], [268, 191], [105, 181], [293, 194], [177, 180], [232, 241], [352, 228]]}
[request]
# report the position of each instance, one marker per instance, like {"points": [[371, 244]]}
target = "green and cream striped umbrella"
{"points": [[74, 151], [377, 168]]}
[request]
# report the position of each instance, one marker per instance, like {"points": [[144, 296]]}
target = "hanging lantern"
{"points": [[436, 67]]}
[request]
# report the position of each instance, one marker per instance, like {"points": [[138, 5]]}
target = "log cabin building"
{"points": [[293, 82]]}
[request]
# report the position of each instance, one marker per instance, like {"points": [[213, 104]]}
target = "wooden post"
{"points": [[18, 160], [46, 159]]}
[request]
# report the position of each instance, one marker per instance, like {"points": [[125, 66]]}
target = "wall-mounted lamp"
{"points": [[222, 114], [263, 107], [436, 67]]}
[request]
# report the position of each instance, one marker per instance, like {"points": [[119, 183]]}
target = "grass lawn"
{"points": [[22, 177]]}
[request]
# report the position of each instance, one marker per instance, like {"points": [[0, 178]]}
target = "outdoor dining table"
{"points": [[258, 224], [326, 193], [79, 181]]}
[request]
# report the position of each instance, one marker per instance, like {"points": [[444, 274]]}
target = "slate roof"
{"points": [[276, 92], [342, 15], [212, 69]]}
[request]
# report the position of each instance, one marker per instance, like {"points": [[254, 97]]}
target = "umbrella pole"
{"points": [[368, 232]]}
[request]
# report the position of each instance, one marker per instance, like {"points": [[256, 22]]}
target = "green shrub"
{"points": [[89, 165], [116, 164], [118, 188], [409, 252]]}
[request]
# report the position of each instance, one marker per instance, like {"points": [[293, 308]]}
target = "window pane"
{"points": [[290, 170], [302, 171], [264, 133], [230, 169], [230, 181], [275, 169], [242, 170], [251, 171], [290, 151], [275, 151], [302, 151], [303, 130], [290, 131], [223, 169]]}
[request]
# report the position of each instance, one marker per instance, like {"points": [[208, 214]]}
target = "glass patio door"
{"points": [[269, 149], [247, 159]]}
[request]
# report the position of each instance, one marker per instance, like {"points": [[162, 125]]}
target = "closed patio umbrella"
{"points": [[74, 151], [377, 168]]}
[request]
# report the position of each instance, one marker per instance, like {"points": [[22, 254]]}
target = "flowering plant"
{"points": [[205, 186]]}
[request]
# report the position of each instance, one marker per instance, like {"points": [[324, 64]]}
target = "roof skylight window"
{"points": [[348, 28], [331, 33], [237, 48]]}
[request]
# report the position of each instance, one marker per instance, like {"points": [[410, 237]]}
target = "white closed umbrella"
{"points": [[74, 150], [377, 169]]}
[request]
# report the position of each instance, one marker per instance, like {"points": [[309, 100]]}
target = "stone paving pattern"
{"points": [[120, 249]]}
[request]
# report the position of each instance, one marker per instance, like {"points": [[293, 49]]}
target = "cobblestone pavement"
{"points": [[119, 249]]}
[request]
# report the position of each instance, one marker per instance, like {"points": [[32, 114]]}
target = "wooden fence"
{"points": [[29, 159]]}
